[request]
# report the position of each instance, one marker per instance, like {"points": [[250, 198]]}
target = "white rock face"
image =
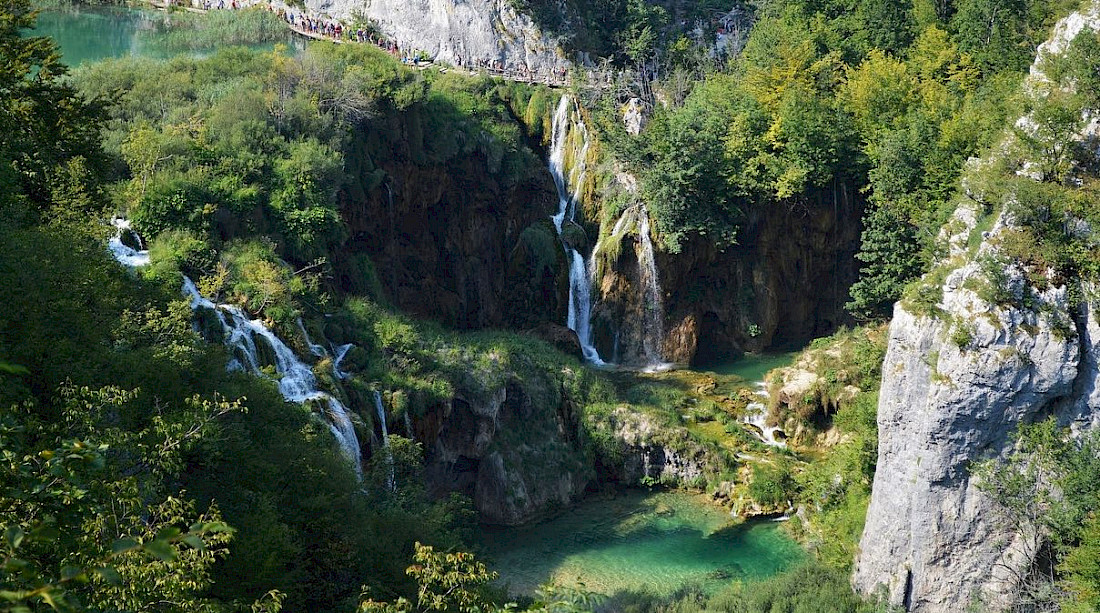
{"points": [[449, 30], [956, 385], [931, 539]]}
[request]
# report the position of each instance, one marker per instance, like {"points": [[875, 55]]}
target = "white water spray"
{"points": [[296, 380], [756, 414], [569, 188], [127, 256]]}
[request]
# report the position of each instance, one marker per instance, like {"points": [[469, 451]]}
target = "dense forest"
{"points": [[140, 474]]}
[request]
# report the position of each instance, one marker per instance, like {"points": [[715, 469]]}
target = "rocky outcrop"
{"points": [[785, 282], [457, 31], [955, 387], [514, 449], [451, 241], [649, 452], [999, 346]]}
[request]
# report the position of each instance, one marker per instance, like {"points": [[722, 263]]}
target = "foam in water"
{"points": [[580, 284], [127, 256], [296, 380], [756, 414]]}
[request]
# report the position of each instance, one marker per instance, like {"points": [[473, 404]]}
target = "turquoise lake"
{"points": [[658, 542]]}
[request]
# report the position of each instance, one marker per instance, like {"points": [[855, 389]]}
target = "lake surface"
{"points": [[91, 34], [752, 366], [636, 540]]}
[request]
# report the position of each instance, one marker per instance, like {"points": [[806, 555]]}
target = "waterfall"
{"points": [[339, 353], [296, 380], [315, 349], [580, 284], [635, 220], [390, 481], [756, 414], [653, 334], [127, 256]]}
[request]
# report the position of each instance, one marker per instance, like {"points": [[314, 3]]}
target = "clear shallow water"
{"points": [[752, 366], [87, 34], [636, 540]]}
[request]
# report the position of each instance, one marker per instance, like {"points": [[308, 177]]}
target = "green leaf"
{"points": [[160, 550], [69, 572], [14, 536], [109, 575], [194, 541], [122, 545], [167, 533]]}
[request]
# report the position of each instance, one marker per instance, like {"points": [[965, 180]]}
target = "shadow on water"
{"points": [[653, 542]]}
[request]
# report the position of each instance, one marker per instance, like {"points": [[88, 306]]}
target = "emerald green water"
{"points": [[634, 541], [91, 34], [753, 366]]}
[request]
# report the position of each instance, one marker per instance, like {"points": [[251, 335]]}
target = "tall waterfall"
{"points": [[296, 381], [653, 334], [569, 186], [381, 409], [635, 220]]}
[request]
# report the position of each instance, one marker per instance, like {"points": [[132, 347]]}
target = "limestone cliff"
{"points": [[965, 366], [784, 283], [454, 30], [514, 448], [452, 240]]}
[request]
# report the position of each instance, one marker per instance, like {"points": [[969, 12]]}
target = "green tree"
{"points": [[44, 122], [85, 519]]}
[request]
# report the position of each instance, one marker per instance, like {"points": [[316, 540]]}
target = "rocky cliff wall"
{"points": [[454, 30], [515, 449], [452, 241], [784, 283], [955, 387]]}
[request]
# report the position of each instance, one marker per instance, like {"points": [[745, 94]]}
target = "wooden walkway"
{"points": [[507, 75], [517, 76]]}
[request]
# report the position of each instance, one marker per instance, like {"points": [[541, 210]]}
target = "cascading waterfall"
{"points": [[381, 409], [635, 220], [127, 256], [296, 380], [756, 414], [580, 284]]}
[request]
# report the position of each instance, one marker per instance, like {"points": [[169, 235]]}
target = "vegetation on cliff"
{"points": [[883, 99]]}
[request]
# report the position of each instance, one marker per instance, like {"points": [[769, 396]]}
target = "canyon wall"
{"points": [[454, 30]]}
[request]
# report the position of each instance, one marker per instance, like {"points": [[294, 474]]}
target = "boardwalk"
{"points": [[499, 73], [519, 76]]}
